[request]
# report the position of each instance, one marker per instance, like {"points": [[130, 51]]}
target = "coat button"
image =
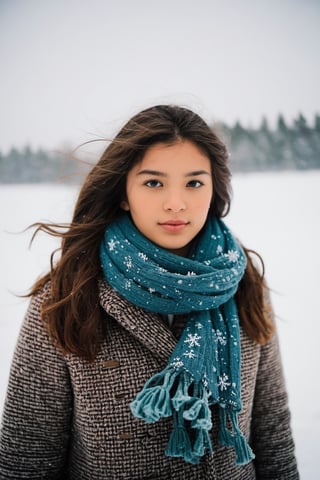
{"points": [[125, 436], [111, 364], [119, 396]]}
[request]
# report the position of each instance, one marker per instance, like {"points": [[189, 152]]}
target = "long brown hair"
{"points": [[73, 314]]}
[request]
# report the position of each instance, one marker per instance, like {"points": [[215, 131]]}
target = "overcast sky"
{"points": [[74, 70]]}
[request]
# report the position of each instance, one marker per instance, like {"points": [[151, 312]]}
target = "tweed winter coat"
{"points": [[66, 418]]}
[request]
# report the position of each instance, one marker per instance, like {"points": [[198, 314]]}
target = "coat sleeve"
{"points": [[36, 419], [271, 431]]}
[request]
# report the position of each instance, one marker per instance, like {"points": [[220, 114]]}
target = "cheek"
{"points": [[204, 203], [202, 211]]}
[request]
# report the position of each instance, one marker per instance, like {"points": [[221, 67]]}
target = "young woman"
{"points": [[149, 349]]}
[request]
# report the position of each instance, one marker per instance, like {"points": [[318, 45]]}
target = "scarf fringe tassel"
{"points": [[234, 439], [155, 401]]}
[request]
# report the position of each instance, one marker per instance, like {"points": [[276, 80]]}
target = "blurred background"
{"points": [[75, 71]]}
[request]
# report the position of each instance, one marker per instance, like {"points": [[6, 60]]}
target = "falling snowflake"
{"points": [[193, 340], [223, 382], [151, 290], [198, 325], [189, 354], [232, 255], [112, 245], [143, 256]]}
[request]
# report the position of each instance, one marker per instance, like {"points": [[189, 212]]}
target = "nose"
{"points": [[174, 203]]}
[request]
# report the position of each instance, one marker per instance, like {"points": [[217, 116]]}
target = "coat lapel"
{"points": [[145, 326]]}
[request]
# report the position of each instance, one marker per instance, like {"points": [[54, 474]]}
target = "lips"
{"points": [[173, 225], [173, 222]]}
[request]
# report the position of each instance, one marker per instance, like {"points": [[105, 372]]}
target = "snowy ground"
{"points": [[275, 214]]}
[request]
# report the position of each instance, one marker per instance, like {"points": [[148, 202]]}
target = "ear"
{"points": [[125, 205]]}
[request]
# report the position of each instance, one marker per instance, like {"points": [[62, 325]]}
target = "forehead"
{"points": [[184, 153]]}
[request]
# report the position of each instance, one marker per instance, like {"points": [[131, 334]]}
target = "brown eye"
{"points": [[153, 184], [194, 184]]}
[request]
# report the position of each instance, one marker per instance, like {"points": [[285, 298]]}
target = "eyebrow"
{"points": [[157, 173]]}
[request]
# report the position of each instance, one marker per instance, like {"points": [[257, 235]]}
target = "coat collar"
{"points": [[145, 326]]}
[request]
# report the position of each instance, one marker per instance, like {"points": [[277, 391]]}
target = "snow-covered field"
{"points": [[275, 214]]}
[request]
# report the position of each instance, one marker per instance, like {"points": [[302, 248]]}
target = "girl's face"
{"points": [[169, 194]]}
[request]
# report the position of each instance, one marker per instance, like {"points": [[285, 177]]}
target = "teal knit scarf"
{"points": [[204, 368]]}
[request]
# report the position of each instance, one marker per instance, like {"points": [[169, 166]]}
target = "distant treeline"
{"points": [[28, 166], [285, 147]]}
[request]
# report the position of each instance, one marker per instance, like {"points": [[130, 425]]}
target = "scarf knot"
{"points": [[204, 368]]}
